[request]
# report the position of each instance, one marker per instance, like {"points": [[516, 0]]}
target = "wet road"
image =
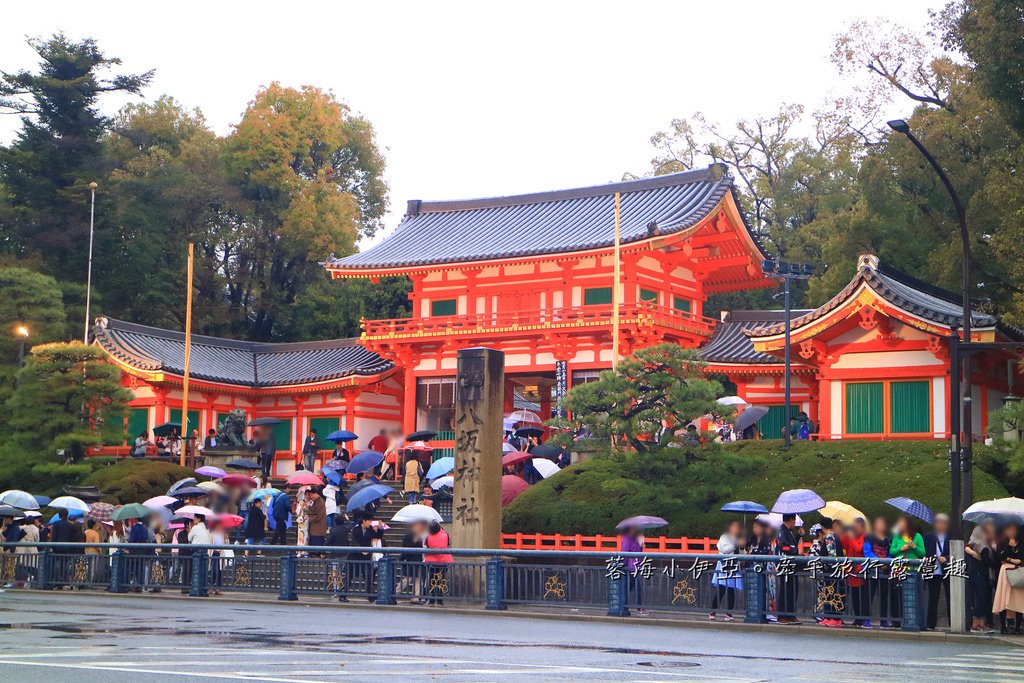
{"points": [[90, 638]]}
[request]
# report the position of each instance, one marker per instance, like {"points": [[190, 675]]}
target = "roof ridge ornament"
{"points": [[867, 262]]}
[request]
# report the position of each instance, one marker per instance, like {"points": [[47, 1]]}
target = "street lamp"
{"points": [[22, 333], [88, 276], [961, 450], [787, 272]]}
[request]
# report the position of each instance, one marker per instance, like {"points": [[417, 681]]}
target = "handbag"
{"points": [[1015, 577]]}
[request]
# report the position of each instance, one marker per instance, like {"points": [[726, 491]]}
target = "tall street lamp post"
{"points": [[22, 333], [961, 449], [88, 276], [787, 272]]}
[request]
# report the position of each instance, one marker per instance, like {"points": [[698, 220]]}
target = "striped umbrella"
{"points": [[100, 512]]}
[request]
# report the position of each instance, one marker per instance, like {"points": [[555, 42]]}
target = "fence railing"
{"points": [[580, 542], [758, 588]]}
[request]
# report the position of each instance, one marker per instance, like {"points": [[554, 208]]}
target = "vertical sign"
{"points": [[561, 385], [479, 399]]}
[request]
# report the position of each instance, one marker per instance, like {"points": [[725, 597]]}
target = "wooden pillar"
{"points": [[476, 507], [409, 403]]}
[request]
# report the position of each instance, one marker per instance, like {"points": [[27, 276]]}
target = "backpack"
{"points": [[804, 432]]}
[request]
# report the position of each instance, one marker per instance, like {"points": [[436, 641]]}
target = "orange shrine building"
{"points": [[532, 275]]}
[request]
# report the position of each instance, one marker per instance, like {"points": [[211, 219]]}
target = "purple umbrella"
{"points": [[797, 501], [211, 471], [641, 522]]}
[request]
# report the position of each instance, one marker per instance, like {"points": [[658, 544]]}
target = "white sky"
{"points": [[474, 99]]}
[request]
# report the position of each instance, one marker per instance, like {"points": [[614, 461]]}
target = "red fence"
{"points": [[653, 544]]}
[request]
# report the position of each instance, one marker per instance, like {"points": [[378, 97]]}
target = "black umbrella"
{"points": [[421, 435], [243, 464], [264, 422], [547, 451], [188, 492], [359, 486], [166, 428], [529, 431]]}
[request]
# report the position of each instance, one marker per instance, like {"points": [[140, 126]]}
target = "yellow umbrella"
{"points": [[844, 512]]}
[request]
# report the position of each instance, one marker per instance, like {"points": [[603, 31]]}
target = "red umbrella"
{"points": [[230, 521], [238, 480], [514, 458], [304, 478], [511, 488]]}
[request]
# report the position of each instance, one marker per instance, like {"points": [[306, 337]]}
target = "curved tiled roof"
{"points": [[729, 344], [544, 223], [914, 296], [250, 364]]}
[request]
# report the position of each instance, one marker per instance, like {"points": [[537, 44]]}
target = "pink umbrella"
{"points": [[157, 502], [511, 488], [230, 521], [514, 458], [238, 480], [191, 511], [304, 478]]}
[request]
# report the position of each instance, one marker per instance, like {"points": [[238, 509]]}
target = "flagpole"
{"points": [[615, 289], [188, 356]]}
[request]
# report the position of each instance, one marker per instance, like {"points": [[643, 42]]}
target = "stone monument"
{"points": [[479, 403]]}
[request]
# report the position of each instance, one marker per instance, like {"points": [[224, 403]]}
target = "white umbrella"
{"points": [[545, 467], [211, 486], [443, 482], [417, 513], [731, 401], [999, 507], [69, 503], [191, 511], [774, 519], [527, 416], [506, 447], [22, 500], [33, 513]]}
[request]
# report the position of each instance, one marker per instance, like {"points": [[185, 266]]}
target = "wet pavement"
{"points": [[86, 638]]}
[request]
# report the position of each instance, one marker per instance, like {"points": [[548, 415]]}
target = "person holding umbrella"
{"points": [[729, 543], [280, 508], [413, 479], [907, 544], [256, 523], [366, 535]]}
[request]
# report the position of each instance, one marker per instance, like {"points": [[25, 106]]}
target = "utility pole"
{"points": [[88, 275]]}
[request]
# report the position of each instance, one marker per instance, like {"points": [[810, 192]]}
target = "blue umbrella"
{"points": [[913, 507], [341, 435], [797, 501], [744, 506], [366, 460], [333, 476], [188, 491], [335, 466], [368, 495], [43, 500], [72, 514], [441, 467], [243, 464]]}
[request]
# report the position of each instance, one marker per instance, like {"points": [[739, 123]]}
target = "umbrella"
{"points": [[844, 512], [443, 482], [913, 507], [731, 401], [100, 511], [210, 487], [70, 503], [545, 467], [529, 431], [335, 464], [774, 519], [180, 484], [752, 415], [10, 511], [798, 500], [262, 493], [1000, 508], [367, 495], [19, 499], [511, 488], [190, 491], [366, 460], [42, 500], [744, 506], [160, 502], [642, 522], [333, 476], [230, 521], [547, 451], [442, 467], [421, 435], [305, 478], [166, 428], [243, 464], [130, 511], [514, 458], [190, 511], [506, 447], [264, 422], [211, 471], [359, 486], [238, 480], [417, 513], [418, 446], [341, 435], [30, 514], [523, 416]]}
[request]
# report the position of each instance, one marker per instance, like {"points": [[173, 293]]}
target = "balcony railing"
{"points": [[642, 314]]}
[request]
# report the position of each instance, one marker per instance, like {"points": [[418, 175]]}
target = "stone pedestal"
{"points": [[476, 508], [219, 457]]}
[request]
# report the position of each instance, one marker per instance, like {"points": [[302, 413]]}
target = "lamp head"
{"points": [[21, 331], [899, 125]]}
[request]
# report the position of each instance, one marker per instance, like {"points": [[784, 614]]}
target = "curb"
{"points": [[684, 623]]}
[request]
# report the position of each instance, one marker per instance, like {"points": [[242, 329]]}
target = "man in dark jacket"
{"points": [[256, 524], [309, 449], [279, 510], [339, 536], [936, 545], [139, 533], [63, 530], [789, 544], [267, 452], [363, 536]]}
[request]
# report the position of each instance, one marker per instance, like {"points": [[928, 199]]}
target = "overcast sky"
{"points": [[474, 99]]}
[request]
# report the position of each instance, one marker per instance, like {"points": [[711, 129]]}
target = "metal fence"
{"points": [[756, 589]]}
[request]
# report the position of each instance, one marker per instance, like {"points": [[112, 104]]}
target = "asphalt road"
{"points": [[92, 638]]}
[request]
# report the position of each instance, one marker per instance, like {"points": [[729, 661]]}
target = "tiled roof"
{"points": [[729, 344], [249, 364], [914, 296], [544, 223]]}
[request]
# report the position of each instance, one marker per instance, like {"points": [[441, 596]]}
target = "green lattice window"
{"points": [[444, 307], [283, 435], [865, 408], [909, 407], [648, 295], [594, 296], [193, 420], [138, 422], [683, 305], [323, 427]]}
